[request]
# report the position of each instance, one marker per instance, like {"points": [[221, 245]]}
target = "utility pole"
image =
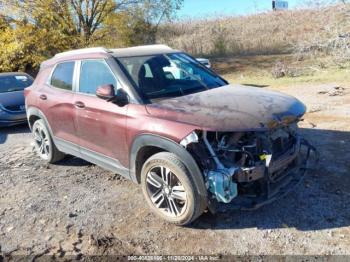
{"points": [[273, 5], [279, 5]]}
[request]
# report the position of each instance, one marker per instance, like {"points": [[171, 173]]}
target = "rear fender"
{"points": [[35, 112]]}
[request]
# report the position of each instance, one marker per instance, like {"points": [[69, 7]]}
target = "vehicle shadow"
{"points": [[255, 85], [322, 201], [19, 129], [73, 161]]}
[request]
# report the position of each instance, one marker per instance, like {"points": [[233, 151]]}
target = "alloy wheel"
{"points": [[42, 142], [166, 191]]}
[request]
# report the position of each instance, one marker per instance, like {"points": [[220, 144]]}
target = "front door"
{"points": [[100, 124]]}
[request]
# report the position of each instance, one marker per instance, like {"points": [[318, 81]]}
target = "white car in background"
{"points": [[204, 61], [175, 72]]}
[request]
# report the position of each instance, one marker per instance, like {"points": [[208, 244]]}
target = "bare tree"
{"points": [[87, 16]]}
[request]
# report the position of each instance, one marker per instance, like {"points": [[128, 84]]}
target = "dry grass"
{"points": [[277, 49], [256, 71], [266, 33]]}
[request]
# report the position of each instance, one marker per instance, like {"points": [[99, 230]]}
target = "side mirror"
{"points": [[121, 98], [107, 93]]}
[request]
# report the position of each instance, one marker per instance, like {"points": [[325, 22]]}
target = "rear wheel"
{"points": [[43, 143], [169, 189]]}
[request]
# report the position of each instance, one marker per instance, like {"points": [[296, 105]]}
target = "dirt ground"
{"points": [[76, 208]]}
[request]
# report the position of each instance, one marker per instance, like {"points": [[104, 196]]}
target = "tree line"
{"points": [[34, 30]]}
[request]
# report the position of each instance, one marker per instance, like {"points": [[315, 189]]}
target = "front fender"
{"points": [[172, 147]]}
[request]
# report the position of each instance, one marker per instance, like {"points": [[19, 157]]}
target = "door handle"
{"points": [[79, 104], [43, 97]]}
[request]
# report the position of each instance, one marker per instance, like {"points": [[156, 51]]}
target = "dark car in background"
{"points": [[12, 108]]}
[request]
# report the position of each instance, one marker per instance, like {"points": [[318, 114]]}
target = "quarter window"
{"points": [[62, 77], [95, 73]]}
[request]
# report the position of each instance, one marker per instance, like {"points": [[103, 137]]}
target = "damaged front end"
{"points": [[249, 169]]}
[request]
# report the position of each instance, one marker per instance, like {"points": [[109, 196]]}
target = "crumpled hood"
{"points": [[230, 108]]}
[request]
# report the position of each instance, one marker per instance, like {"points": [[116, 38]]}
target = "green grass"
{"points": [[340, 76]]}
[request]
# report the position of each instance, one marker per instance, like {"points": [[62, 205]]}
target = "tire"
{"points": [[44, 145], [177, 201]]}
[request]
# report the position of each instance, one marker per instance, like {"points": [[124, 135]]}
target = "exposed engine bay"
{"points": [[249, 169]]}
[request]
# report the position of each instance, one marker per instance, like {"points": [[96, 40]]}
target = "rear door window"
{"points": [[62, 77], [93, 74]]}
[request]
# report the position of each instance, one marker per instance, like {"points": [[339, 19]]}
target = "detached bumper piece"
{"points": [[262, 185]]}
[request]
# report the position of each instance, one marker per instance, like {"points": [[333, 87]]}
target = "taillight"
{"points": [[26, 91]]}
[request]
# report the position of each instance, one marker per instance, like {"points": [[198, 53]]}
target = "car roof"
{"points": [[98, 52], [14, 74], [202, 59], [142, 50]]}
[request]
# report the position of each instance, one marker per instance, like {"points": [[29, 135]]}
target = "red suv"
{"points": [[160, 118]]}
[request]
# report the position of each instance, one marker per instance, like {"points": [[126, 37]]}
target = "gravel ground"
{"points": [[74, 208]]}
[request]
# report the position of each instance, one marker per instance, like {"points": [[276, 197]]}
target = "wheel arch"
{"points": [[34, 114], [140, 152]]}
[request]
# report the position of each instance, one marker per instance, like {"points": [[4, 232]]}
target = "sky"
{"points": [[202, 8]]}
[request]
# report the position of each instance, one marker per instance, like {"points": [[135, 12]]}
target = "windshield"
{"points": [[12, 83], [169, 75]]}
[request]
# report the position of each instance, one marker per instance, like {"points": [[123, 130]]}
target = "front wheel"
{"points": [[43, 143], [169, 189]]}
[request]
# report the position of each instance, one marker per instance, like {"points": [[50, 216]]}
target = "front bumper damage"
{"points": [[247, 185], [277, 188]]}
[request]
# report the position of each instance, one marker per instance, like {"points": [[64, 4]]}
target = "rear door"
{"points": [[56, 100], [100, 124]]}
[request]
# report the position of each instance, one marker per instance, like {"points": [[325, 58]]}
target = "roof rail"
{"points": [[141, 50], [142, 47], [83, 51]]}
